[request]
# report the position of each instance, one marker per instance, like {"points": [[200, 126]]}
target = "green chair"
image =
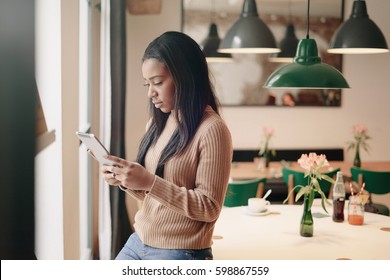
{"points": [[376, 182], [293, 178], [239, 192]]}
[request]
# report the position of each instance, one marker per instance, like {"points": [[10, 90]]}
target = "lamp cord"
{"points": [[307, 19], [213, 13]]}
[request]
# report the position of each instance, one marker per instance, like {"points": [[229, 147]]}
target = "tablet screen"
{"points": [[95, 146]]}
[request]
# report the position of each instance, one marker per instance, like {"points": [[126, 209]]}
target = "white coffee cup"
{"points": [[256, 204]]}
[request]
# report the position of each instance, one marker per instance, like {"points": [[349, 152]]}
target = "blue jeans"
{"points": [[134, 249]]}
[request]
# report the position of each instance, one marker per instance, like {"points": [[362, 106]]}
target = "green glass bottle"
{"points": [[356, 161], [306, 227]]}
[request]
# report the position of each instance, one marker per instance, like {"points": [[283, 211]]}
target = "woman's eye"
{"points": [[154, 84]]}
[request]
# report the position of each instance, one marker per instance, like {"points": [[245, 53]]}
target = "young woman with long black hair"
{"points": [[184, 158]]}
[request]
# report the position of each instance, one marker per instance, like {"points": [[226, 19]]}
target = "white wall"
{"points": [[366, 102]]}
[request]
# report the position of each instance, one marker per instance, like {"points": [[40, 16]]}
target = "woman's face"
{"points": [[161, 88]]}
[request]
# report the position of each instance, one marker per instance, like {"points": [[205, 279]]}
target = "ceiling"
{"points": [[295, 7]]}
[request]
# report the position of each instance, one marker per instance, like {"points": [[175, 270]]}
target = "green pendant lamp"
{"points": [[307, 71], [249, 34], [359, 34]]}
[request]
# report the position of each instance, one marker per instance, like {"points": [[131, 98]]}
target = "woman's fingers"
{"points": [[116, 160], [111, 178], [127, 174]]}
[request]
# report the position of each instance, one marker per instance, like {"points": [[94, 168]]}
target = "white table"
{"points": [[239, 236]]}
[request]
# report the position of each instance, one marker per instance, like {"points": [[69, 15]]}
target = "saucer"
{"points": [[251, 213]]}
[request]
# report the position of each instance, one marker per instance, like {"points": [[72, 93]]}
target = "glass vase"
{"points": [[267, 159], [306, 227], [356, 161]]}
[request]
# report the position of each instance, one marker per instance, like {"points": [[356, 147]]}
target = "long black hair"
{"points": [[193, 92]]}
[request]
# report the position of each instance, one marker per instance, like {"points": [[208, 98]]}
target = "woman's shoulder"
{"points": [[210, 115], [212, 119], [213, 129]]}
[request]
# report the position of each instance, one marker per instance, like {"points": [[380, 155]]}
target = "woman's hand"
{"points": [[128, 174]]}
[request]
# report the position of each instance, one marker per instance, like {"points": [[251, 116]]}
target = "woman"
{"points": [[184, 158]]}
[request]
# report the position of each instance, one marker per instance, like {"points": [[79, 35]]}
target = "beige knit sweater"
{"points": [[181, 209]]}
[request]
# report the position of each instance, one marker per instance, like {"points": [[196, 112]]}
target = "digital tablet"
{"points": [[95, 146]]}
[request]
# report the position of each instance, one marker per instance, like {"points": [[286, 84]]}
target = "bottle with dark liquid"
{"points": [[338, 198]]}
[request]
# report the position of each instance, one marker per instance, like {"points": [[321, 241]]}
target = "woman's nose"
{"points": [[151, 92]]}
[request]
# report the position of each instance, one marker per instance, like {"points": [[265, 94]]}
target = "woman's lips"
{"points": [[157, 104]]}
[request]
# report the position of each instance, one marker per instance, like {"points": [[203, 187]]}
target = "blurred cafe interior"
{"points": [[62, 59]]}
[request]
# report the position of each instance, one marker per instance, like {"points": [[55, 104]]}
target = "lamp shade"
{"points": [[359, 34], [288, 46], [249, 34], [307, 71], [211, 44]]}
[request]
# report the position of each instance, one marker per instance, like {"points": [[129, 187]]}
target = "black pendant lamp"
{"points": [[359, 34], [288, 46], [307, 70], [210, 46], [249, 34]]}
